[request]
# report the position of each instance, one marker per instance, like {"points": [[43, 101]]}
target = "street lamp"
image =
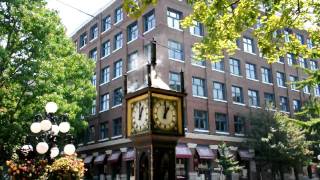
{"points": [[47, 129]]}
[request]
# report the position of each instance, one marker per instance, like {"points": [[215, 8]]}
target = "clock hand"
{"points": [[140, 113], [166, 109]]}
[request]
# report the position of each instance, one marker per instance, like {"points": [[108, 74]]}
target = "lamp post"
{"points": [[47, 128]]}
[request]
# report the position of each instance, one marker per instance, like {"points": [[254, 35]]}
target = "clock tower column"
{"points": [[154, 124]]}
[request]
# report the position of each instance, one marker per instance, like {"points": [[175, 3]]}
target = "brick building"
{"points": [[219, 94]]}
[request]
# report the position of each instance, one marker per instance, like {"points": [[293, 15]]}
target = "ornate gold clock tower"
{"points": [[154, 124]]}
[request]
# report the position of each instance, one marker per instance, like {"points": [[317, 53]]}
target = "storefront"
{"points": [[89, 174], [100, 166], [203, 159], [128, 158], [245, 158], [114, 166], [183, 156]]}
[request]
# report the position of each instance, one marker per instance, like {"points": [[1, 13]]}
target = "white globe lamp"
{"points": [[69, 149], [55, 129], [35, 127], [64, 127], [318, 157], [51, 107], [42, 147], [54, 152], [46, 125]]}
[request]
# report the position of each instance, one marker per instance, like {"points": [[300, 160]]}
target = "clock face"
{"points": [[140, 115], [165, 114]]}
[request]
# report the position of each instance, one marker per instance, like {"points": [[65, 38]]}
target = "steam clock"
{"points": [[154, 124]]}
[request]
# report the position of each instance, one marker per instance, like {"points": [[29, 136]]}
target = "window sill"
{"points": [[217, 70], [105, 31], [149, 31], [306, 93], [201, 131], [295, 90], [116, 137], [131, 70], [93, 39], [250, 53], [201, 97], [199, 36], [181, 30], [116, 77], [271, 84], [269, 109], [90, 142], [116, 49], [104, 57], [239, 76], [220, 100], [285, 112], [200, 66], [178, 60], [282, 87], [256, 107], [240, 104], [82, 47], [118, 22], [280, 62], [104, 83], [81, 144], [132, 41], [103, 110], [222, 132], [256, 80], [105, 139], [237, 134], [113, 107]]}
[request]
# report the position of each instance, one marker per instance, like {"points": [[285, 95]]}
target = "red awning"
{"points": [[129, 155], [182, 151], [88, 160], [204, 152], [99, 159], [114, 157], [246, 154]]}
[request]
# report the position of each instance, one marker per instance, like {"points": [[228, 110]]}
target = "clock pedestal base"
{"points": [[155, 158]]}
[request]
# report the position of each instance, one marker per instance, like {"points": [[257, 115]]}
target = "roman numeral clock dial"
{"points": [[140, 116], [165, 114]]}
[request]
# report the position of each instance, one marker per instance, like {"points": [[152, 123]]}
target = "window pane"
{"points": [[221, 122], [201, 119], [175, 81]]}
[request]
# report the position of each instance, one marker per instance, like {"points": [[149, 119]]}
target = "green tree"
{"points": [[278, 141], [38, 63], [227, 161], [309, 119], [226, 21]]}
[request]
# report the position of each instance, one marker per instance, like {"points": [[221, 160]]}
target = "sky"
{"points": [[71, 18]]}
